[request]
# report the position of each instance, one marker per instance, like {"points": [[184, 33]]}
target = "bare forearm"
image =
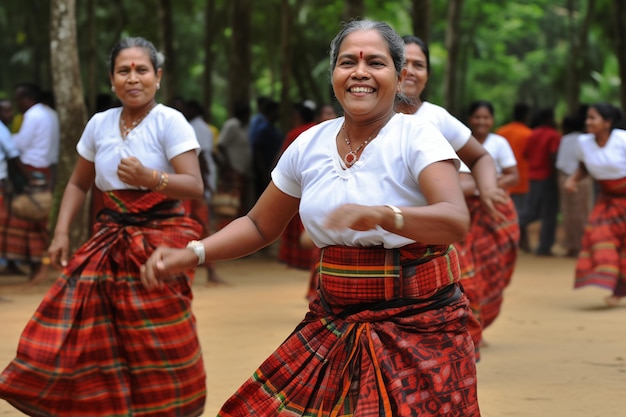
{"points": [[439, 224], [239, 238], [484, 173], [180, 186]]}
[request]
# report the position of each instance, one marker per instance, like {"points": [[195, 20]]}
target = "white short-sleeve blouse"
{"points": [[163, 134], [387, 172]]}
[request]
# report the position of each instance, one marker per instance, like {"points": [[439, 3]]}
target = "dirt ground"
{"points": [[553, 352]]}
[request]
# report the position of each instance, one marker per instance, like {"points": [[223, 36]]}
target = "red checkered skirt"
{"points": [[290, 251], [20, 239], [602, 259], [388, 337], [487, 256], [100, 344]]}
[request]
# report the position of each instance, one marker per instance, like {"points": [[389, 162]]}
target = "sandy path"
{"points": [[553, 352]]}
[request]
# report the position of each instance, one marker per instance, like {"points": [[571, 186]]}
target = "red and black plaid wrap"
{"points": [[602, 259], [20, 239], [487, 256], [386, 362], [290, 252], [100, 344]]}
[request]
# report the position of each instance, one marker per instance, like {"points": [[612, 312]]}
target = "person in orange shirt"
{"points": [[517, 133]]}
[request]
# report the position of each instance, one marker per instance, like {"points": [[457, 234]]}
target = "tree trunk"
{"points": [[453, 41], [353, 9], [578, 45], [166, 35], [240, 56], [620, 46], [209, 56], [421, 19], [286, 35], [68, 93], [92, 57]]}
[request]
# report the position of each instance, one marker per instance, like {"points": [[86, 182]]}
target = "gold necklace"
{"points": [[353, 155], [125, 129]]}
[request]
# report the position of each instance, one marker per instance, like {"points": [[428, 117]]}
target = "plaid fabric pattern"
{"points": [[575, 209], [100, 344], [387, 362], [20, 239], [487, 256], [290, 252], [350, 275], [602, 259]]}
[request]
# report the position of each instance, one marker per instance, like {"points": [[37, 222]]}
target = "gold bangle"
{"points": [[398, 217], [163, 183]]}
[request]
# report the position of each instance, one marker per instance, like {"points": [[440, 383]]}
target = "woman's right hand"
{"points": [[165, 263], [58, 250], [132, 172]]}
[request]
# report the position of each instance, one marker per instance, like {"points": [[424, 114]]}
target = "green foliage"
{"points": [[510, 50]]}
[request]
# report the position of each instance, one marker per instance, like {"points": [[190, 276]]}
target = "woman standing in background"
{"points": [[602, 259], [101, 343]]}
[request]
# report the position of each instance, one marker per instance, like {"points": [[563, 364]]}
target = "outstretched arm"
{"points": [[261, 226]]}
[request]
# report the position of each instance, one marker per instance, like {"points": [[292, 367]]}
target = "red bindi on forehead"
{"points": [[132, 64], [361, 54]]}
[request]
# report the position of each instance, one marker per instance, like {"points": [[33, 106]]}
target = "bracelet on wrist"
{"points": [[163, 182], [198, 248], [398, 217]]}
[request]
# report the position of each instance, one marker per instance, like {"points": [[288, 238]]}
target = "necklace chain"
{"points": [[125, 129], [353, 155]]}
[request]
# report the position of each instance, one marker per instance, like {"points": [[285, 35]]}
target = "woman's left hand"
{"points": [[165, 263], [132, 172], [493, 198]]}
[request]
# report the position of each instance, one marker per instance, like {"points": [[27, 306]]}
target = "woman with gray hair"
{"points": [[378, 193], [101, 343]]}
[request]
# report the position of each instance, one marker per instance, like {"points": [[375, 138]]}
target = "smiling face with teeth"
{"points": [[364, 78]]}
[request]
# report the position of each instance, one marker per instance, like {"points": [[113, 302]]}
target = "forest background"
{"points": [[547, 53]]}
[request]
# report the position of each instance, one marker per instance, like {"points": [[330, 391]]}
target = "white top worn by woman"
{"points": [[567, 155], [452, 129], [163, 134], [387, 172], [500, 150], [607, 162]]}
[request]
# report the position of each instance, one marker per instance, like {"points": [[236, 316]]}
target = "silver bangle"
{"points": [[198, 248], [398, 217]]}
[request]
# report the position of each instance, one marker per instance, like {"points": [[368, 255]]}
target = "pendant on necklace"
{"points": [[350, 158]]}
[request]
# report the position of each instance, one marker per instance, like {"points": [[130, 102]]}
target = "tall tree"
{"points": [[353, 9], [579, 35], [286, 36], [68, 93], [92, 56], [166, 37], [620, 45], [421, 19], [209, 55], [240, 62], [453, 41]]}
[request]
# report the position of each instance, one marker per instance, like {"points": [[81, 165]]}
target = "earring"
{"points": [[158, 86], [113, 89]]}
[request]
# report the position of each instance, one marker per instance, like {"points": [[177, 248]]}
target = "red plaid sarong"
{"points": [[602, 259], [100, 344], [487, 256], [20, 239], [290, 252], [391, 355]]}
